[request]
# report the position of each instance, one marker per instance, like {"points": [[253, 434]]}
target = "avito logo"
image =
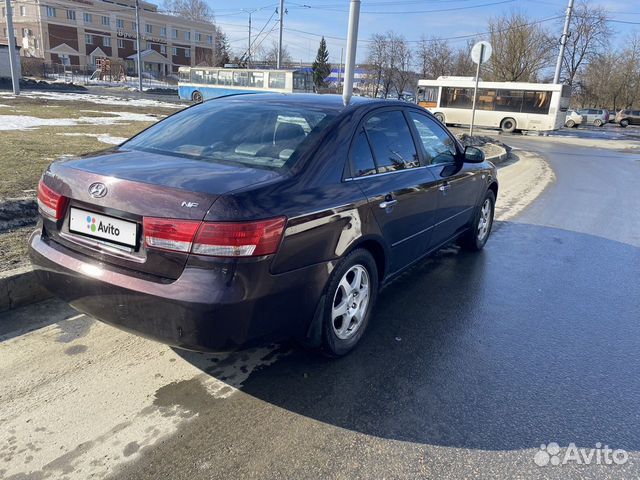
{"points": [[101, 227]]}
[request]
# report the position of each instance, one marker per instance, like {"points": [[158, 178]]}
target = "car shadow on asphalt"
{"points": [[531, 341]]}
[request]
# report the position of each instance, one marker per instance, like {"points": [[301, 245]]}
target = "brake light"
{"points": [[51, 204], [169, 234], [220, 239]]}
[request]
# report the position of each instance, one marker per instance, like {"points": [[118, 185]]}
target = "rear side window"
{"points": [[391, 141], [361, 157]]}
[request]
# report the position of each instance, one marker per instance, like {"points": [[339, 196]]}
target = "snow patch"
{"points": [[102, 137], [100, 99], [24, 122]]}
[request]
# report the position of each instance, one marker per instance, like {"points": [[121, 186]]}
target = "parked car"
{"points": [[625, 118], [594, 116], [612, 116], [573, 119], [251, 218]]}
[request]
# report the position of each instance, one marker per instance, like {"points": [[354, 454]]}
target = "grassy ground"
{"points": [[25, 154]]}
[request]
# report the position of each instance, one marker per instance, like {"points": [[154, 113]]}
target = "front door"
{"points": [[458, 186], [401, 192]]}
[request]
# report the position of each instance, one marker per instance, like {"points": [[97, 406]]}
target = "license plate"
{"points": [[103, 227]]}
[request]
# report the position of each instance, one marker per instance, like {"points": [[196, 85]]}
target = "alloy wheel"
{"points": [[485, 220], [350, 302]]}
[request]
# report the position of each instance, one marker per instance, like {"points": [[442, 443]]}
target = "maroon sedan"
{"points": [[252, 218]]}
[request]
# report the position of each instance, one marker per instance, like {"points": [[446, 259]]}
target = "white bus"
{"points": [[509, 106]]}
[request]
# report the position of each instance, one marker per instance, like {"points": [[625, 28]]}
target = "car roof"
{"points": [[326, 102]]}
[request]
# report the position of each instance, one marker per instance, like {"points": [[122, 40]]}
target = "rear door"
{"points": [[458, 185], [402, 193]]}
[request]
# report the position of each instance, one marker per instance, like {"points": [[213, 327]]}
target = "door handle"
{"points": [[388, 203]]}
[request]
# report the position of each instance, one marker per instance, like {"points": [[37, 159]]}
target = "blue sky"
{"points": [[307, 20]]}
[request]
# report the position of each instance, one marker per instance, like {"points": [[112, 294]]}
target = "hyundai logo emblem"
{"points": [[97, 190]]}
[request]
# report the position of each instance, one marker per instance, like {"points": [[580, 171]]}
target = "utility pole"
{"points": [[563, 42], [352, 43], [138, 45], [249, 46], [13, 61], [281, 12], [340, 69]]}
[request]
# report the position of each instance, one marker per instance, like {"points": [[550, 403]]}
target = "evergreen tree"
{"points": [[321, 66]]}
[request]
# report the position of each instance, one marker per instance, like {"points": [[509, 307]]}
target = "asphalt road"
{"points": [[471, 363]]}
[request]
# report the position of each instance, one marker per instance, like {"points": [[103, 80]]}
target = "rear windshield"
{"points": [[267, 136]]}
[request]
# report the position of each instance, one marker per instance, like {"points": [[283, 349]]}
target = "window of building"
{"points": [[149, 28], [134, 27], [71, 15], [163, 31], [23, 12], [105, 21], [277, 79], [163, 49], [119, 23], [174, 33], [51, 12], [391, 142], [4, 14], [36, 43], [88, 39], [120, 43], [198, 37], [209, 39], [174, 51], [106, 41], [187, 52], [88, 18], [187, 35]]}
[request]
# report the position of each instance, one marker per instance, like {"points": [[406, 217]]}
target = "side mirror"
{"points": [[473, 155]]}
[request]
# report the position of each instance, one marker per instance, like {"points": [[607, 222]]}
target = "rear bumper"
{"points": [[215, 305]]}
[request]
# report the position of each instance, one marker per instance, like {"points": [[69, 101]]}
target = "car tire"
{"points": [[624, 123], [440, 117], [476, 237], [508, 125], [598, 122], [338, 337], [570, 124], [196, 97]]}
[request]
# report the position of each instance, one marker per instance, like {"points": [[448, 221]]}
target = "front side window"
{"points": [[391, 141], [438, 145], [361, 156], [235, 132]]}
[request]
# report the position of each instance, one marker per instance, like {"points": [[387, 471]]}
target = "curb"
{"points": [[20, 287], [499, 158]]}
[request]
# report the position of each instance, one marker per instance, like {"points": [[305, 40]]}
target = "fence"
{"points": [[39, 69]]}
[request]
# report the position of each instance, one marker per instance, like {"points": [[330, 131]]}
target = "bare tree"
{"points": [[191, 9], [403, 77], [376, 59], [435, 58], [462, 65], [520, 49], [270, 56], [588, 38]]}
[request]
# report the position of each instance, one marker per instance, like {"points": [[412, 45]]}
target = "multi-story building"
{"points": [[77, 32]]}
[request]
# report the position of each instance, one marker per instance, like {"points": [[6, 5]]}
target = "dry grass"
{"points": [[25, 154]]}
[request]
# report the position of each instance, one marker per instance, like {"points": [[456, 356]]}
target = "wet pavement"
{"points": [[470, 364]]}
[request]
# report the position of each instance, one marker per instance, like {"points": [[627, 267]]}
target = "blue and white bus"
{"points": [[201, 83]]}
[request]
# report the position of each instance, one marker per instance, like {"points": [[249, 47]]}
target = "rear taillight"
{"points": [[51, 204], [220, 239]]}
